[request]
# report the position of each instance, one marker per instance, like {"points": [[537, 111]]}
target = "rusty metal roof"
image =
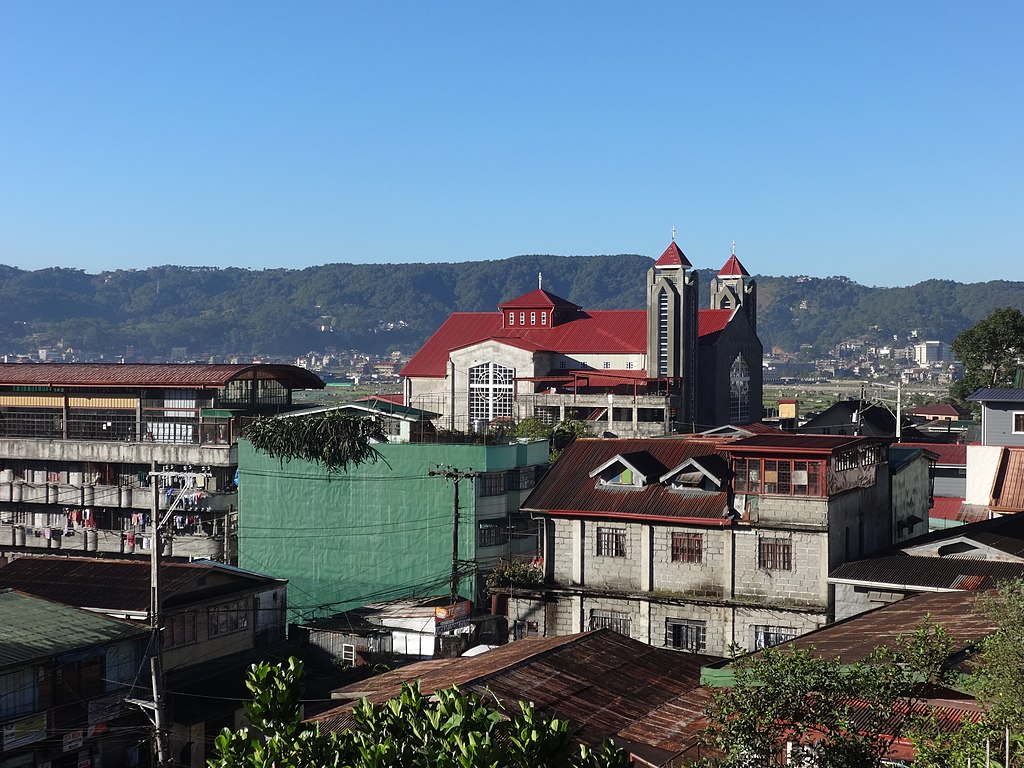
{"points": [[1004, 533], [928, 572], [600, 681], [568, 489], [791, 443], [1008, 485], [854, 639], [198, 376], [121, 585]]}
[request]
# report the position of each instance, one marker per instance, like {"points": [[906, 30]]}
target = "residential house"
{"points": [[702, 545], [665, 368], [78, 443], [995, 469], [967, 558], [216, 620], [949, 485], [911, 476], [65, 674], [860, 418]]}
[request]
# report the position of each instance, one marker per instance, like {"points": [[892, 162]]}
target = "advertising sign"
{"points": [[25, 731]]}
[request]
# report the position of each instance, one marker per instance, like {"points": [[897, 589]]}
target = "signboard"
{"points": [[450, 625], [25, 731], [72, 740], [459, 610]]}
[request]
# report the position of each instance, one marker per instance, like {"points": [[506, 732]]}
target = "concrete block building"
{"points": [[701, 544]]}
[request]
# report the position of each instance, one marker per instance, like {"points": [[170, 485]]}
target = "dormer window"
{"points": [[618, 472], [522, 318], [543, 318], [691, 475], [533, 318], [511, 318]]}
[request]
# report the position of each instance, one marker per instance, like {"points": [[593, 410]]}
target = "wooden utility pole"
{"points": [[455, 475]]}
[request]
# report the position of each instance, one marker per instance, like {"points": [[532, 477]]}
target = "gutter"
{"points": [[714, 522], [886, 585]]}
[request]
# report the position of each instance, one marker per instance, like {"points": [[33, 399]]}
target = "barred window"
{"points": [[775, 554], [521, 479], [687, 547], [765, 636], [686, 635], [492, 533], [492, 484], [613, 620], [611, 542], [490, 390]]}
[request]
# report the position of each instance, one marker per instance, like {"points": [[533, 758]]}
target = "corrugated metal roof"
{"points": [[568, 489], [1008, 485], [923, 571], [116, 585], [948, 508], [824, 444], [855, 638], [949, 454], [601, 681], [1004, 533], [33, 628], [998, 395], [711, 321], [197, 376]]}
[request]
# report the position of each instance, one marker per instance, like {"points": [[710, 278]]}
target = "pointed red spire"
{"points": [[673, 257], [733, 268]]}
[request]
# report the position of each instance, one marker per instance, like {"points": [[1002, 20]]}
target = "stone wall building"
{"points": [[701, 544]]}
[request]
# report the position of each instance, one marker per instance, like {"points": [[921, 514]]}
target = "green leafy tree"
{"points": [[821, 711], [450, 730], [992, 351]]}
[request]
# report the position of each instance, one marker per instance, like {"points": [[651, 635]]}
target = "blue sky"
{"points": [[877, 140]]}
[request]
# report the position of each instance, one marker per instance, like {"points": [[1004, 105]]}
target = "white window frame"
{"points": [[1013, 422], [490, 391]]}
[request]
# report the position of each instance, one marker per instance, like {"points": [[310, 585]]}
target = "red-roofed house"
{"points": [[668, 367]]}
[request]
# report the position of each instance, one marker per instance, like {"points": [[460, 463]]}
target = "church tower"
{"points": [[734, 288], [672, 327]]}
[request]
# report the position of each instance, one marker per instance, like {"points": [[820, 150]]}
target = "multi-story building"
{"points": [[78, 442], [651, 371], [64, 676], [702, 545], [216, 620], [387, 528]]}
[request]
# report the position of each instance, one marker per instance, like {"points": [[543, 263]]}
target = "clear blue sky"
{"points": [[878, 140]]}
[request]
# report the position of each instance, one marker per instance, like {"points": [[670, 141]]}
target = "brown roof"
{"points": [[790, 443], [929, 572], [600, 681], [119, 585], [853, 639], [188, 375], [568, 489], [1008, 485]]}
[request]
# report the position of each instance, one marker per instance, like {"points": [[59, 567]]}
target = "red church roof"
{"points": [[538, 298], [673, 257], [733, 268], [611, 331]]}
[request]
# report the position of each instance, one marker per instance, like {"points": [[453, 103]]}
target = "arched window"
{"points": [[739, 391], [490, 391]]}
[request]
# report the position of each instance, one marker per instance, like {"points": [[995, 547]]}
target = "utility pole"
{"points": [[156, 706], [455, 475]]}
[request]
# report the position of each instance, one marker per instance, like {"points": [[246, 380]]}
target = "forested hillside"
{"points": [[376, 308]]}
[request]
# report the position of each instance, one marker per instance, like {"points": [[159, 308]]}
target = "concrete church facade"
{"points": [[670, 367]]}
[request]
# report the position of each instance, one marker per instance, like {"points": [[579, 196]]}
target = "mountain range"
{"points": [[376, 308]]}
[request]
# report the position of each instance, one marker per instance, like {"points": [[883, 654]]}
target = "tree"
{"points": [[792, 706], [332, 438], [991, 351], [998, 678], [453, 729]]}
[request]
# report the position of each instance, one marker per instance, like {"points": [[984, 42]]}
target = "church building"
{"points": [[670, 367]]}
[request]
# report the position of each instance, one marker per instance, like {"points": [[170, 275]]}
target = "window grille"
{"points": [[775, 554], [613, 620], [687, 547], [611, 542], [686, 635]]}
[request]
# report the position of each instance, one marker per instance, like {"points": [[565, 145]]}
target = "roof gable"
{"points": [[695, 473], [538, 299]]}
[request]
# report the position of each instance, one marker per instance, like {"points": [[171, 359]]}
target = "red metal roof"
{"points": [[184, 375], [568, 490], [946, 508], [538, 298], [948, 453], [713, 320], [673, 257], [733, 268]]}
